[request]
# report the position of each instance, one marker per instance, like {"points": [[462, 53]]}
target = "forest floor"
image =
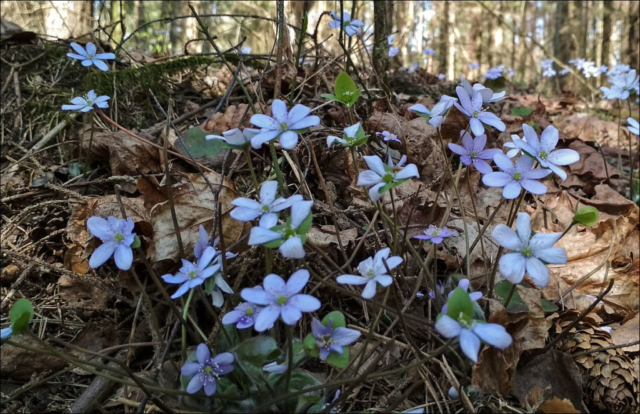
{"points": [[46, 198]]}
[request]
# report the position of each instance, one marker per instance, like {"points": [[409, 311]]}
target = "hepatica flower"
{"points": [[235, 137], [203, 243], [622, 85], [275, 368], [350, 27], [428, 51], [515, 178], [487, 94], [281, 300], [388, 136], [458, 323], [464, 285], [289, 239], [393, 51], [382, 178], [474, 66], [442, 76], [401, 162], [373, 272], [435, 117], [435, 235], [85, 104], [243, 316], [248, 209], [283, 124], [472, 152], [353, 136], [439, 288], [6, 333], [530, 254], [191, 274], [117, 237], [473, 109], [207, 371], [633, 126], [330, 340], [89, 56], [544, 151], [513, 148]]}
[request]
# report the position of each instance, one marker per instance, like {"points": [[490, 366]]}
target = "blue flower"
{"points": [[373, 272], [514, 179], [330, 340], [528, 253], [6, 333], [89, 56], [275, 368], [428, 51], [351, 27], [235, 137], [117, 237], [472, 108], [382, 177], [436, 115], [248, 209], [281, 299], [283, 124], [473, 152], [85, 104], [436, 235], [191, 274], [207, 371], [388, 136], [633, 126], [244, 315]]}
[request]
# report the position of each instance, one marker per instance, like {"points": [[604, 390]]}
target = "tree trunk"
{"points": [[524, 29], [380, 48], [451, 43], [443, 39], [561, 40], [606, 32], [633, 45]]}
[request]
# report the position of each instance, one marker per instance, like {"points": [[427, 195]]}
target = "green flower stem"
{"points": [[372, 328], [185, 313], [619, 144], [247, 155], [274, 158], [510, 295], [290, 352], [87, 158], [395, 221], [633, 160]]}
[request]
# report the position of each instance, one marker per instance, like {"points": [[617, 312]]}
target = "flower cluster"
{"points": [[350, 27], [89, 57], [494, 73], [548, 71], [622, 85]]}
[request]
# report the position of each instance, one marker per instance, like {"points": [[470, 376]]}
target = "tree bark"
{"points": [[380, 48], [443, 39], [633, 46], [606, 32], [561, 40]]}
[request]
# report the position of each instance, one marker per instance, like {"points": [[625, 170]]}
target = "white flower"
{"points": [[350, 133], [235, 137], [373, 273], [86, 104], [380, 175], [248, 209], [283, 124]]}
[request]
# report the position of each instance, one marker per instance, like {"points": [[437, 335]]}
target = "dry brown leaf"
{"points": [[326, 235], [193, 208], [126, 155], [75, 261], [590, 128], [229, 119], [556, 405], [76, 291], [20, 364], [626, 333]]}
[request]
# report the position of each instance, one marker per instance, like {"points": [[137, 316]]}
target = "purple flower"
{"points": [[544, 149], [471, 332], [487, 94], [393, 51], [473, 109], [331, 340], [235, 137], [281, 300], [473, 152], [474, 66], [248, 209], [633, 126], [436, 115], [207, 370], [382, 177], [292, 247], [244, 315], [85, 104], [203, 243], [373, 273], [191, 274], [401, 162], [428, 51], [513, 148], [514, 179], [283, 124], [6, 333], [436, 235], [351, 27], [117, 237], [388, 136], [220, 284], [89, 56], [439, 288], [442, 76], [527, 253]]}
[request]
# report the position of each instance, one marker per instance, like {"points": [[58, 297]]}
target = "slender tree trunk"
{"points": [[561, 40], [633, 46], [524, 29], [451, 44], [606, 32], [380, 48], [443, 39]]}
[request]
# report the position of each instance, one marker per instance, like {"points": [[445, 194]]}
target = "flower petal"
{"points": [[290, 314], [264, 121], [469, 344], [375, 164], [79, 50], [563, 157], [538, 272], [523, 227], [232, 317], [531, 137], [384, 280], [289, 140], [533, 186], [352, 280], [493, 334], [345, 336], [374, 192], [225, 358], [268, 220], [306, 122], [181, 290], [203, 354], [552, 255], [457, 149], [257, 296], [100, 228], [245, 214], [297, 281], [210, 388], [268, 192], [369, 290], [101, 255], [491, 119], [368, 178], [407, 172], [100, 65], [476, 126], [266, 318], [503, 162], [512, 190], [305, 303], [299, 212], [189, 369], [448, 327], [496, 179], [262, 137], [279, 111], [261, 235], [512, 267], [297, 113], [543, 240], [549, 139], [123, 257], [272, 283], [482, 166], [195, 384]]}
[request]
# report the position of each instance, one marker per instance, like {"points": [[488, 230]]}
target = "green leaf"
{"points": [[209, 284], [136, 242], [197, 145], [516, 305], [226, 345], [354, 98], [310, 343], [21, 315], [549, 306], [386, 187], [344, 86], [587, 216], [253, 353], [459, 305], [330, 97], [478, 313], [339, 360], [304, 227], [522, 111], [338, 320], [534, 126]]}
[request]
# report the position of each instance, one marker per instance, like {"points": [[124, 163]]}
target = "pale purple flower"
{"points": [[235, 137], [515, 178], [511, 73], [546, 64], [388, 136], [439, 288], [471, 332], [549, 73], [378, 176], [390, 39], [401, 162], [428, 51], [513, 148], [86, 103], [373, 273], [564, 72], [442, 76], [473, 109], [281, 300], [331, 340], [117, 237], [283, 124], [619, 69], [544, 149], [248, 209], [89, 56], [207, 371], [292, 246], [578, 63], [191, 274], [436, 115], [528, 253], [203, 243], [436, 235], [472, 152], [622, 85], [393, 51], [351, 27], [494, 73], [487, 94], [453, 393], [633, 126], [243, 316], [221, 285], [275, 368], [474, 66]]}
